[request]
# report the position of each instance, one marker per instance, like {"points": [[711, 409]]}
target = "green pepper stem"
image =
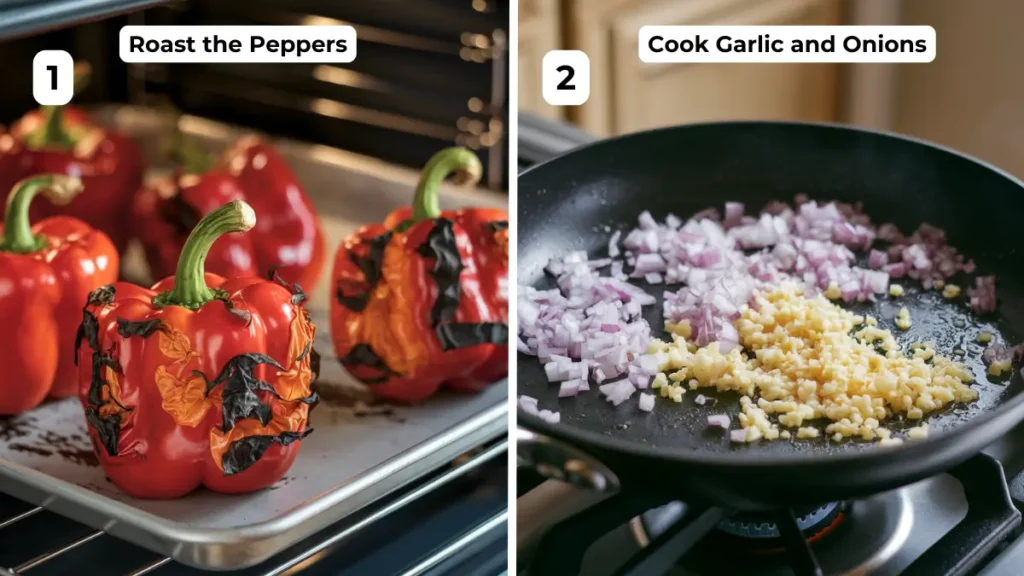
{"points": [[192, 159], [190, 288], [17, 236], [467, 168], [52, 134]]}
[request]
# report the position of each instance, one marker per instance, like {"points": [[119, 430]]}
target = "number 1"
{"points": [[53, 77]]}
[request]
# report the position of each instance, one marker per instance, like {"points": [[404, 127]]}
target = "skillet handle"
{"points": [[557, 460]]}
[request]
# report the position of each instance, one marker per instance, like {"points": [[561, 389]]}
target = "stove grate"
{"points": [[990, 520]]}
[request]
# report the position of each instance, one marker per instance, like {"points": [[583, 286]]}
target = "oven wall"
{"points": [[429, 74]]}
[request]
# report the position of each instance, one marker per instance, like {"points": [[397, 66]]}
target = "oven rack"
{"points": [[309, 550]]}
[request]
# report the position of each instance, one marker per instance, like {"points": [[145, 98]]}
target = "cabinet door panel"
{"points": [[639, 96], [539, 32]]}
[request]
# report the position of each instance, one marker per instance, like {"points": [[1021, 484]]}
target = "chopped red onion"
{"points": [[528, 404], [649, 364], [591, 328], [733, 214], [890, 233], [896, 270], [550, 417], [613, 244], [646, 221], [569, 388], [738, 435], [647, 402], [877, 259], [618, 392], [720, 420], [983, 295], [700, 400]]}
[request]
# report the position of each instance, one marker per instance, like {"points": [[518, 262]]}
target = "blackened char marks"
{"points": [[240, 386], [371, 267], [143, 329], [455, 335], [245, 452], [362, 354], [298, 296], [89, 329], [107, 426], [440, 245]]}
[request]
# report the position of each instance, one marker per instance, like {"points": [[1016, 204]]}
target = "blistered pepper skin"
{"points": [[421, 301], [206, 383], [160, 457]]}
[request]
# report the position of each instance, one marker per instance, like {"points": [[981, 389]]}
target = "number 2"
{"points": [[53, 77], [569, 73]]}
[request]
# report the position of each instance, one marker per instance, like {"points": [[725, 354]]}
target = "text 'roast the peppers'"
{"points": [[66, 140], [200, 380], [46, 273], [421, 301], [287, 237]]}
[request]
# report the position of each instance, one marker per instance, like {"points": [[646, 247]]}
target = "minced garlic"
{"points": [[918, 433], [833, 292], [659, 381], [895, 290], [805, 365], [950, 291], [903, 319], [807, 432], [997, 367], [680, 329]]}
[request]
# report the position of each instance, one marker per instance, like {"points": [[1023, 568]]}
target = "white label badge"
{"points": [[778, 44], [53, 77], [238, 44], [565, 77]]}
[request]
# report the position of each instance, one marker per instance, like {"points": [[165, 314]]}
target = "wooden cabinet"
{"points": [[628, 95], [539, 32]]}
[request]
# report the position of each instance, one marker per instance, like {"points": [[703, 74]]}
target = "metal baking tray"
{"points": [[359, 452]]}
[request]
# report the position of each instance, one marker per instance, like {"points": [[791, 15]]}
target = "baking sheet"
{"points": [[359, 451]]}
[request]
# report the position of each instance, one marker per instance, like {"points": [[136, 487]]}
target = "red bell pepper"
{"points": [[200, 380], [287, 237], [421, 301], [65, 140], [46, 273]]}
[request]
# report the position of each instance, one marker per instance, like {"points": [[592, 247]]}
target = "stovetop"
{"points": [[441, 524], [965, 522], [959, 523]]}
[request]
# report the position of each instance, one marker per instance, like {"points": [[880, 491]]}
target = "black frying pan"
{"points": [[566, 204]]}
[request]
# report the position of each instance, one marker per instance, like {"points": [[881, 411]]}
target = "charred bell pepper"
{"points": [[65, 140], [287, 235], [200, 380], [421, 300], [46, 272]]}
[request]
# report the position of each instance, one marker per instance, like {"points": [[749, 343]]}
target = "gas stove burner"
{"points": [[758, 526], [869, 535]]}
